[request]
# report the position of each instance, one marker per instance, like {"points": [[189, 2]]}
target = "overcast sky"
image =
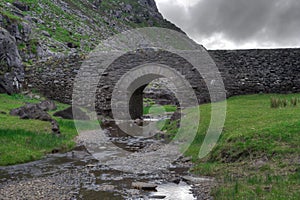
{"points": [[236, 24]]}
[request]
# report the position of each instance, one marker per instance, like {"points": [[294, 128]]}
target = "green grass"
{"points": [[24, 146], [28, 140], [253, 130], [10, 15], [156, 109]]}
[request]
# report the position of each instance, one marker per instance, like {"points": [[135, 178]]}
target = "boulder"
{"points": [[11, 69], [47, 105], [55, 127], [34, 111], [68, 114], [31, 111]]}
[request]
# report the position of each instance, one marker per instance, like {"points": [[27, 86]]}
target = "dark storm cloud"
{"points": [[264, 22]]}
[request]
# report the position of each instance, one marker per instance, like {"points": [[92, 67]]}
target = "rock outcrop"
{"points": [[45, 30], [11, 69]]}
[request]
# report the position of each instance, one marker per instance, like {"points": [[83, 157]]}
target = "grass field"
{"points": [[156, 109], [256, 157], [258, 153], [27, 140]]}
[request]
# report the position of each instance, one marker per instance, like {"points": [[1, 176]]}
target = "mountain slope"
{"points": [[38, 30], [44, 28]]}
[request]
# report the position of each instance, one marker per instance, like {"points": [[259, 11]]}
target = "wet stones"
{"points": [[139, 122], [196, 180], [144, 186], [158, 197]]}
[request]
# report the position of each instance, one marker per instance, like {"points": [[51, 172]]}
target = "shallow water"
{"points": [[87, 176], [172, 191]]}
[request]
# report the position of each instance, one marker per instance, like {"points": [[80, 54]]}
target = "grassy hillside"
{"points": [[76, 25], [258, 154]]}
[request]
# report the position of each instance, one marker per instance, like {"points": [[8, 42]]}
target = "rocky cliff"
{"points": [[38, 30]]}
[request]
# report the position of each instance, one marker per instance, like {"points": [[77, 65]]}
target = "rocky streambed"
{"points": [[106, 171]]}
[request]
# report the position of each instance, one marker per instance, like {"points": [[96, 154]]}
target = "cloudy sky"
{"points": [[236, 24]]}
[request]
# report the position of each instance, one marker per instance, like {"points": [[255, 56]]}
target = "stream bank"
{"points": [[79, 175]]}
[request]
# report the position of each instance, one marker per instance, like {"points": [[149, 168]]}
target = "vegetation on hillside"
{"points": [[64, 26]]}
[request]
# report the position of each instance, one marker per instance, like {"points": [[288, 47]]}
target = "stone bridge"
{"points": [[242, 71]]}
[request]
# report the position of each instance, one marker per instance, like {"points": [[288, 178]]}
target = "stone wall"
{"points": [[243, 72], [259, 71], [54, 78]]}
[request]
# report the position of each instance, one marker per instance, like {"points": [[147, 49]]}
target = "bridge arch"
{"points": [[143, 67], [113, 58]]}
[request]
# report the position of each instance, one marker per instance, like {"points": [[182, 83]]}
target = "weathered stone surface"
{"points": [[259, 70], [196, 180], [11, 69], [31, 111], [55, 127], [21, 6], [47, 105], [107, 188], [45, 33], [68, 114], [243, 72], [161, 96], [144, 186]]}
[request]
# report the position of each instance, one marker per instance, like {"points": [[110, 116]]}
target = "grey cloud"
{"points": [[275, 22]]}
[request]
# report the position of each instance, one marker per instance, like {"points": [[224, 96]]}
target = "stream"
{"points": [[104, 165]]}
